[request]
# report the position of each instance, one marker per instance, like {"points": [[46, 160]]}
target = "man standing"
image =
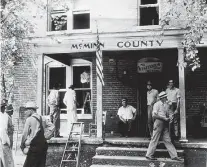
{"points": [[6, 157], [70, 101], [127, 115], [33, 141], [161, 116], [152, 95], [53, 102], [173, 95], [9, 111]]}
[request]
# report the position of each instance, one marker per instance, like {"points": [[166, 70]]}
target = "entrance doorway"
{"points": [[159, 78]]}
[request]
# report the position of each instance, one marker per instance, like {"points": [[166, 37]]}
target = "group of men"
{"points": [[163, 118]]}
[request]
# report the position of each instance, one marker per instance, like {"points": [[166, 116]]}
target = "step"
{"points": [[123, 151], [134, 161], [113, 166]]}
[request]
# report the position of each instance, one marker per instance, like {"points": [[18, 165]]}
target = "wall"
{"points": [[196, 95]]}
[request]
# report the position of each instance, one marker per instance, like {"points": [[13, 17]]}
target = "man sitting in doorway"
{"points": [[173, 95], [152, 96], [127, 115]]}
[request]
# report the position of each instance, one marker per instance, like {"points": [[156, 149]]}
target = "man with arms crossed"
{"points": [[173, 96], [152, 95]]}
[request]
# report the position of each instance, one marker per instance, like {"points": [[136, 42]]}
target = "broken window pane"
{"points": [[58, 22], [81, 21], [149, 16]]}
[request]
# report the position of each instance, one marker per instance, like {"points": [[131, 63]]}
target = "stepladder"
{"points": [[71, 153]]}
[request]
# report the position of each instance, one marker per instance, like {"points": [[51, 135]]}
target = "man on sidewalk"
{"points": [[161, 114], [33, 143], [152, 96]]}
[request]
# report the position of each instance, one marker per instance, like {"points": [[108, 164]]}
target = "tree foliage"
{"points": [[190, 15]]}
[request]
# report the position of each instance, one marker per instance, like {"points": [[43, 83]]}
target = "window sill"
{"points": [[80, 116], [80, 31], [149, 27]]}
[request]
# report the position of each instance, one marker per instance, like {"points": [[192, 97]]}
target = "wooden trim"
{"points": [[181, 69]]}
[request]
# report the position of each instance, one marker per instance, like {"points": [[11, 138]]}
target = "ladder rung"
{"points": [[69, 160], [75, 132], [74, 148]]}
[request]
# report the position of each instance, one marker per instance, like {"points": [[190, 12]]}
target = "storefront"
{"points": [[128, 62]]}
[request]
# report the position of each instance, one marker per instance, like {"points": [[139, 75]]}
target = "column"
{"points": [[99, 108], [181, 72], [40, 70]]}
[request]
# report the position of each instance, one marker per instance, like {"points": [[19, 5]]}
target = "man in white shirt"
{"points": [[173, 95], [53, 102], [152, 96], [127, 115], [161, 114]]}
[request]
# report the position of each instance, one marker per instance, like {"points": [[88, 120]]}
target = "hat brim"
{"points": [[161, 97]]}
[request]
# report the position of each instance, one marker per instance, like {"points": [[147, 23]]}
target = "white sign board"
{"points": [[147, 67]]}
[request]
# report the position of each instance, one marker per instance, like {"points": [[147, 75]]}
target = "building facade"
{"points": [[134, 51]]}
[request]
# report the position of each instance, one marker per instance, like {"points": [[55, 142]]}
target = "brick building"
{"points": [[134, 51]]}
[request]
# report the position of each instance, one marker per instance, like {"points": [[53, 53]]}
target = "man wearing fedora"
{"points": [[173, 96], [33, 143], [152, 96], [161, 112]]}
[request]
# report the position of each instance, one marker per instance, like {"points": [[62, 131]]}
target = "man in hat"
{"points": [[9, 111], [53, 102], [70, 101], [127, 115], [6, 157], [173, 95], [161, 112], [152, 96], [33, 141]]}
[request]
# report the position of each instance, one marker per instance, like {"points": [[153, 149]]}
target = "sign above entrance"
{"points": [[148, 65]]}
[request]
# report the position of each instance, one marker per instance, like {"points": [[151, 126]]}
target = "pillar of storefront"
{"points": [[99, 108], [181, 70], [40, 67]]}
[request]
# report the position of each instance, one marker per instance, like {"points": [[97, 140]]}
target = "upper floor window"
{"points": [[58, 20], [148, 12], [81, 20]]}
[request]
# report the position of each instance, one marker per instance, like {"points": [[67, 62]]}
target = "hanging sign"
{"points": [[146, 66]]}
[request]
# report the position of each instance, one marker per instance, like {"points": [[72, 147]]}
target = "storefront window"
{"points": [[82, 84]]}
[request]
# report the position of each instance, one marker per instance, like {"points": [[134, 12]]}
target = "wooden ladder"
{"points": [[71, 153]]}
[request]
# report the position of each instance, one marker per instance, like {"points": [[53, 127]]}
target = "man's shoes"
{"points": [[151, 158], [177, 159]]}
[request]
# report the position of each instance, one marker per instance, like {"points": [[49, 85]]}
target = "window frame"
{"points": [[83, 115], [139, 6]]}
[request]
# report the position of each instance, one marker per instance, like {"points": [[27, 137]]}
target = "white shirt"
{"points": [[173, 94], [53, 97], [70, 99], [4, 121], [152, 96], [162, 109], [126, 112]]}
